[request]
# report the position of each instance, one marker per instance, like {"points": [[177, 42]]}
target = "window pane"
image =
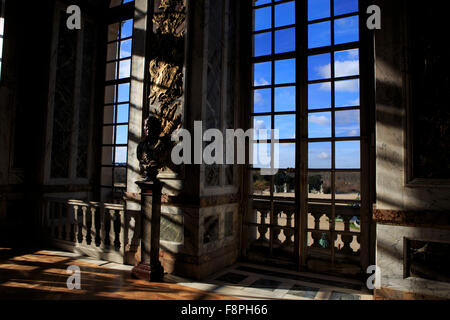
{"points": [[262, 101], [107, 156], [261, 2], [348, 185], [260, 183], [124, 92], [111, 71], [284, 156], [346, 30], [346, 63], [284, 183], [319, 125], [319, 96], [263, 44], [262, 126], [345, 6], [262, 74], [285, 99], [107, 176], [285, 14], [319, 185], [127, 29], [108, 135], [263, 18], [347, 93], [348, 155], [121, 156], [122, 135], [319, 34], [285, 71], [318, 9], [286, 126], [110, 94], [319, 155], [122, 113], [125, 69], [347, 123], [319, 67], [120, 177], [125, 49], [285, 40], [112, 51], [113, 32], [108, 115], [261, 155]]}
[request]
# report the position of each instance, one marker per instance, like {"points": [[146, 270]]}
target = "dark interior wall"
{"points": [[27, 47]]}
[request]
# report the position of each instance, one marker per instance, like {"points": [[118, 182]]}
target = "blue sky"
{"points": [[319, 68], [123, 91]]}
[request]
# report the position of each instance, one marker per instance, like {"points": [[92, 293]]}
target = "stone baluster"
{"points": [[116, 231], [83, 225], [102, 227], [76, 228], [317, 217], [276, 230], [346, 223], [122, 234], [316, 235], [288, 232], [109, 227], [263, 227], [93, 227]]}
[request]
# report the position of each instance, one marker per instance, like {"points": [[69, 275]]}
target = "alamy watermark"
{"points": [[263, 151], [374, 281], [74, 280]]}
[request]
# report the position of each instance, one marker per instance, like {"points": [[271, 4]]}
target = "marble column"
{"points": [[150, 267]]}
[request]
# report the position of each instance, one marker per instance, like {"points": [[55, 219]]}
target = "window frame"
{"points": [[301, 53], [116, 15]]}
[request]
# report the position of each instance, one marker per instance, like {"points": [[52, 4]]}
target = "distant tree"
{"points": [[260, 185], [315, 182]]}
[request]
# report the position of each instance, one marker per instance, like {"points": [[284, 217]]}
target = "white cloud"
{"points": [[124, 69], [354, 102], [260, 124], [324, 71], [323, 155], [342, 69], [347, 85], [353, 133], [345, 117], [346, 68], [261, 82], [320, 120], [258, 99], [325, 86]]}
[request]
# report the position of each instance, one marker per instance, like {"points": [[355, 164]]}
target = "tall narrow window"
{"points": [[306, 85], [2, 32], [116, 106], [333, 122]]}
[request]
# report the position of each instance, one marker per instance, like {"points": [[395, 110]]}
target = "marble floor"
{"points": [[42, 274], [251, 282]]}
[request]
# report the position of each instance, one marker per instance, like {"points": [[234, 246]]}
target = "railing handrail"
{"points": [[111, 206]]}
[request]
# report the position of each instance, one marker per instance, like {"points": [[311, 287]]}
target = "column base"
{"points": [[150, 273]]}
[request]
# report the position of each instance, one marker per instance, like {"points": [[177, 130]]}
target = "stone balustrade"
{"points": [[99, 230]]}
